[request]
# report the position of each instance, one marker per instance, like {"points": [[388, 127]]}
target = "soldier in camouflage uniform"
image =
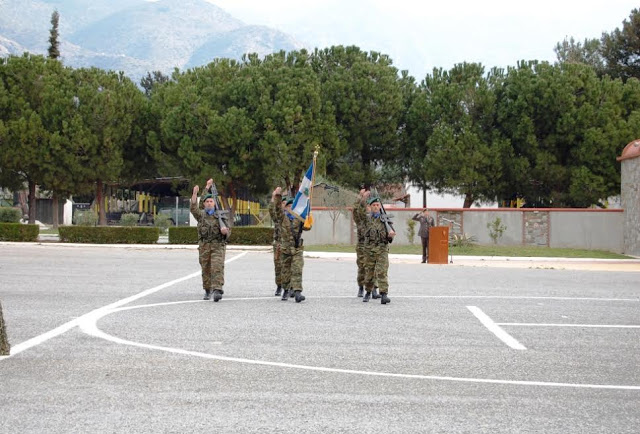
{"points": [[360, 253], [277, 263], [291, 249], [213, 233], [376, 243]]}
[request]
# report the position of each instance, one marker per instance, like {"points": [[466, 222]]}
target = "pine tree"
{"points": [[54, 44]]}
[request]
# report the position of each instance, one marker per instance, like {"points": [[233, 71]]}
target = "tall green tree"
{"points": [[587, 52], [621, 48], [365, 92], [566, 126], [108, 104], [454, 146], [22, 148], [54, 43]]}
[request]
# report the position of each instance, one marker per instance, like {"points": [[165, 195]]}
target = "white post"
{"points": [[176, 220], [67, 212]]}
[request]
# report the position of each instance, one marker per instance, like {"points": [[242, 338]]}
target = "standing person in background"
{"points": [[213, 233], [426, 222]]}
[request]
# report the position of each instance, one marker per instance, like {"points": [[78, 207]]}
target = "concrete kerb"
{"points": [[473, 261]]}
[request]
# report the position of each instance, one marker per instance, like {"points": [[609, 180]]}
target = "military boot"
{"points": [[207, 294], [291, 293], [285, 295], [278, 291], [360, 291], [384, 299], [299, 296], [366, 298], [374, 293], [217, 295]]}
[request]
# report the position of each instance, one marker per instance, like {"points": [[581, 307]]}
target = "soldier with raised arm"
{"points": [[213, 233]]}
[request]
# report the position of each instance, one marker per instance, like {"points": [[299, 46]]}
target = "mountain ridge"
{"points": [[135, 36]]}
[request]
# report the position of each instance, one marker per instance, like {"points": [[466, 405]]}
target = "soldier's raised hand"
{"points": [[196, 189], [209, 183], [277, 191]]}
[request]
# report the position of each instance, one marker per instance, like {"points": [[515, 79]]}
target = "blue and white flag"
{"points": [[301, 205]]}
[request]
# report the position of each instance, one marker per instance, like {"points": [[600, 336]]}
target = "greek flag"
{"points": [[301, 205]]}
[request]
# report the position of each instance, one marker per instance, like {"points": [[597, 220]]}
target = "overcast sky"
{"points": [[421, 35]]}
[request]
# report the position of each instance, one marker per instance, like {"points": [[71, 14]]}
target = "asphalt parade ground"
{"points": [[119, 340]]}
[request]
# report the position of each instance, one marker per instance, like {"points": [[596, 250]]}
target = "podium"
{"points": [[439, 245]]}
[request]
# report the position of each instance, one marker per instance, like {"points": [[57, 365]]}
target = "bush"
{"points": [[162, 222], [86, 218], [496, 229], [464, 240], [108, 235], [129, 219], [10, 215], [241, 235], [18, 232]]}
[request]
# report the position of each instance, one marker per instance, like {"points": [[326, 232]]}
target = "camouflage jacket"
{"points": [[375, 232], [208, 225], [290, 231]]}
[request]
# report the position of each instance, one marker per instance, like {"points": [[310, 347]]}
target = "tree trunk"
{"points": [[4, 342], [32, 202], [468, 200], [55, 203], [102, 215]]}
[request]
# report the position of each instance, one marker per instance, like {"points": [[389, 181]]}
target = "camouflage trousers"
{"points": [[277, 262], [292, 262], [360, 254], [211, 257], [376, 267]]}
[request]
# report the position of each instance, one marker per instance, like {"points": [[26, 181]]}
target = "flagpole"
{"points": [[313, 175]]}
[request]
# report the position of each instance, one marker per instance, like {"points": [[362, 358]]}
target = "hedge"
{"points": [[18, 232], [108, 234], [10, 215], [242, 235]]}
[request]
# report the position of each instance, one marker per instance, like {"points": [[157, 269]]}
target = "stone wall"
{"points": [[630, 195]]}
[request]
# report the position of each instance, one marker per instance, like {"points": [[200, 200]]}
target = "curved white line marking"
{"points": [[88, 324], [22, 346]]}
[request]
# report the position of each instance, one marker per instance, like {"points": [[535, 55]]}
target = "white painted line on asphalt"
{"points": [[518, 297], [89, 326], [22, 346], [496, 329], [615, 326]]}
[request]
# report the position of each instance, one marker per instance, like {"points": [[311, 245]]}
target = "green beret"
{"points": [[289, 202], [285, 198], [208, 196], [373, 199]]}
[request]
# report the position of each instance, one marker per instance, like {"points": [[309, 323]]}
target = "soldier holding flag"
{"points": [[292, 217]]}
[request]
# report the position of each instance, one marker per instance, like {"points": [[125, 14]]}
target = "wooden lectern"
{"points": [[439, 245]]}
